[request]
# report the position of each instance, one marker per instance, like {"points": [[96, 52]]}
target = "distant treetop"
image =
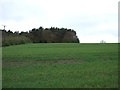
{"points": [[44, 35]]}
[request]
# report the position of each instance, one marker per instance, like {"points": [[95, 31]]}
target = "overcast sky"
{"points": [[93, 20]]}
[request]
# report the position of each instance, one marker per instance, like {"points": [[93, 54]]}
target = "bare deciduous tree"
{"points": [[102, 41]]}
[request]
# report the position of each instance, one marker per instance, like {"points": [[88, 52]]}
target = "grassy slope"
{"points": [[60, 51], [99, 70]]}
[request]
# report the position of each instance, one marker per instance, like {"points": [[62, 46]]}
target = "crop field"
{"points": [[60, 65]]}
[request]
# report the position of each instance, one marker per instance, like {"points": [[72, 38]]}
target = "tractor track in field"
{"points": [[41, 62]]}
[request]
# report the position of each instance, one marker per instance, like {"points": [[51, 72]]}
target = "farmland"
{"points": [[60, 65]]}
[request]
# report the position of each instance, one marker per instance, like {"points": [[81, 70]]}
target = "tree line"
{"points": [[39, 35]]}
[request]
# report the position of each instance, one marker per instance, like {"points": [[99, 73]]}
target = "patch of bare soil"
{"points": [[41, 62]]}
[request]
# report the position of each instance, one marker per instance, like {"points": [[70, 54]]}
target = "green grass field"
{"points": [[60, 65]]}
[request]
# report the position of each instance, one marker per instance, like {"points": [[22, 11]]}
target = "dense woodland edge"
{"points": [[39, 35]]}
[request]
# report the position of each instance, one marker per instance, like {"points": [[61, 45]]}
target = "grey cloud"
{"points": [[82, 22], [19, 11]]}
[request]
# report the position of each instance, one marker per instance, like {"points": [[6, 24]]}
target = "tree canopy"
{"points": [[43, 35]]}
